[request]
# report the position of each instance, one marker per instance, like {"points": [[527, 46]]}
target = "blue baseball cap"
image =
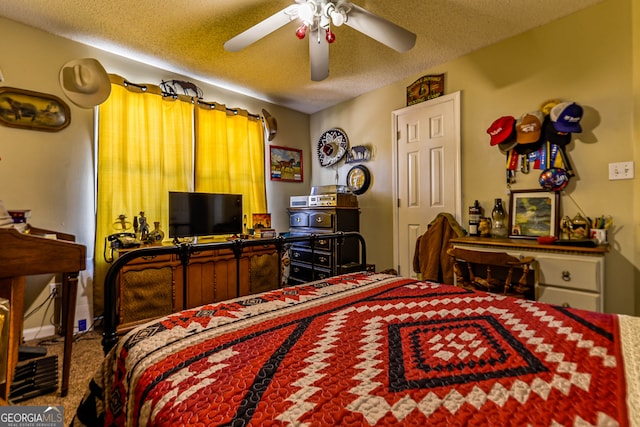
{"points": [[566, 117]]}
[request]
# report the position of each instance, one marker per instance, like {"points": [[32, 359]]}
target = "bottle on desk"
{"points": [[475, 213], [499, 217]]}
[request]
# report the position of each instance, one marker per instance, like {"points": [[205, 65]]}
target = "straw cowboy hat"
{"points": [[85, 82], [270, 124]]}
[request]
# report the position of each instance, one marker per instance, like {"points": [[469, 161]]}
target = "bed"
{"points": [[372, 349]]}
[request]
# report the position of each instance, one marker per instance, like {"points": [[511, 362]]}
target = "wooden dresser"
{"points": [[570, 276], [151, 287], [322, 220]]}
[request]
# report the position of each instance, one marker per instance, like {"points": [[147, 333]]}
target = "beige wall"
{"points": [[588, 58], [635, 49]]}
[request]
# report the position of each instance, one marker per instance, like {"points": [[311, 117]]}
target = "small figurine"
{"points": [[579, 227], [143, 226], [484, 228], [565, 227]]}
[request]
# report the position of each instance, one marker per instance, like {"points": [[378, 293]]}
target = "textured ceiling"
{"points": [[186, 36]]}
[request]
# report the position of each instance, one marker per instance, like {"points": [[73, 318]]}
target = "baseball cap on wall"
{"points": [[502, 130], [566, 117], [529, 127], [546, 106]]}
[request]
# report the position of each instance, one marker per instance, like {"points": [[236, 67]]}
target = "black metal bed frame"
{"points": [[184, 252]]}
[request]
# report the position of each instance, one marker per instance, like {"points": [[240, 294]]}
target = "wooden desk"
{"points": [[571, 276], [27, 254]]}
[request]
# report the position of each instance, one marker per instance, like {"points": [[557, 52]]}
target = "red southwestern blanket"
{"points": [[371, 349]]}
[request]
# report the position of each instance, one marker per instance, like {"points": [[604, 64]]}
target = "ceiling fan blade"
{"points": [[380, 29], [261, 29], [318, 55]]}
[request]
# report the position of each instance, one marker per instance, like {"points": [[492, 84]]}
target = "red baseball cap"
{"points": [[502, 129]]}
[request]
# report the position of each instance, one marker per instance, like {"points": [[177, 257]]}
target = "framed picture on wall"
{"points": [[533, 213], [286, 164], [25, 109]]}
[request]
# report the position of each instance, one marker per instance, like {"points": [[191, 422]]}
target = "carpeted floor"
{"points": [[86, 359]]}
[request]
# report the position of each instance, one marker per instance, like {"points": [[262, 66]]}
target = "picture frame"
{"points": [[359, 179], [533, 213], [20, 108], [260, 220], [285, 164], [425, 88]]}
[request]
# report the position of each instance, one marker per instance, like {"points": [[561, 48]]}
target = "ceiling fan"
{"points": [[316, 17]]}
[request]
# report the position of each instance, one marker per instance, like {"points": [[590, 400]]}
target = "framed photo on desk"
{"points": [[533, 213]]}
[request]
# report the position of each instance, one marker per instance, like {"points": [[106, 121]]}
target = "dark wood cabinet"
{"points": [[150, 287], [322, 258]]}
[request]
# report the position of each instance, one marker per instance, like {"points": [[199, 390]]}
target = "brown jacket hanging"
{"points": [[430, 257]]}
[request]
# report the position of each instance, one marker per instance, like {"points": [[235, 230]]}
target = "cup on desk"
{"points": [[599, 235]]}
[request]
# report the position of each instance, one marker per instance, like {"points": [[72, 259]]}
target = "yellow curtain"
{"points": [[229, 147], [145, 149]]}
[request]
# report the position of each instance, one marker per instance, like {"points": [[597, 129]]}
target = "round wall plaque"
{"points": [[359, 179]]}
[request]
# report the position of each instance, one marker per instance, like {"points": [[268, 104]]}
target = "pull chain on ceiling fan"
{"points": [[316, 17]]}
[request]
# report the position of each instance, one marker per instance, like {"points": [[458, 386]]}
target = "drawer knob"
{"points": [[298, 219], [566, 305], [323, 259], [566, 276], [318, 220]]}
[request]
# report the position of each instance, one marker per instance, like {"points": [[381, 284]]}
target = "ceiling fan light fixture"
{"points": [[338, 18], [301, 32], [330, 36], [337, 12], [307, 12]]}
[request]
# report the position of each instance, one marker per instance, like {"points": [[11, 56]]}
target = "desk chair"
{"points": [[493, 272]]}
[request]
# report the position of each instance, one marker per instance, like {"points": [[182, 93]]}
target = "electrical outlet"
{"points": [[621, 170], [54, 288]]}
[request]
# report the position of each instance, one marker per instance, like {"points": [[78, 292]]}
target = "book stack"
{"points": [[14, 219], [266, 233]]}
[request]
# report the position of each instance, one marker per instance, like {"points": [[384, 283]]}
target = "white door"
{"points": [[427, 171]]}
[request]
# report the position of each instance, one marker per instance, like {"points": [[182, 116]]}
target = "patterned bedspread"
{"points": [[371, 349]]}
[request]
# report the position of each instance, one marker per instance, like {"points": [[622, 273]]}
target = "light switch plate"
{"points": [[621, 170]]}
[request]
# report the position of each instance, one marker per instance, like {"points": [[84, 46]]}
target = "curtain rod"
{"points": [[159, 91]]}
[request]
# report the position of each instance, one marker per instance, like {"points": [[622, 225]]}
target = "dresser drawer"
{"points": [[321, 219], [318, 258], [152, 259], [299, 219], [320, 243], [568, 298], [308, 274], [570, 272]]}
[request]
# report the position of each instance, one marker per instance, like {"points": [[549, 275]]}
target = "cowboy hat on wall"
{"points": [[85, 82], [270, 124]]}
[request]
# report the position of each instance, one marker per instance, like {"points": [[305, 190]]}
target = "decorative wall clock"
{"points": [[332, 146], [359, 179]]}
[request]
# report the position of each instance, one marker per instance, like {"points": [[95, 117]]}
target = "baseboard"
{"points": [[39, 333]]}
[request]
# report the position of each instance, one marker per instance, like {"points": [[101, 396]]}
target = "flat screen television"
{"points": [[194, 214]]}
